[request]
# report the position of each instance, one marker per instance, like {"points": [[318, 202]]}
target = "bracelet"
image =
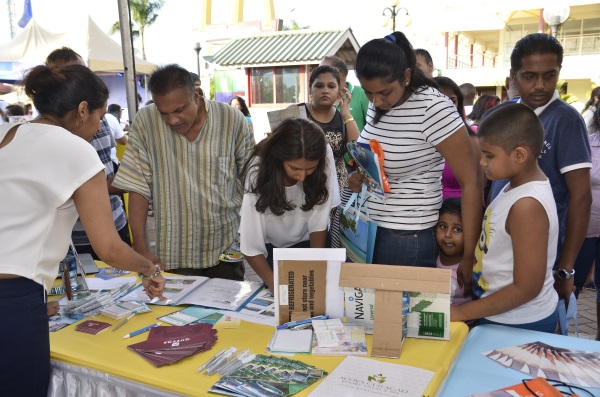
{"points": [[348, 120], [153, 275]]}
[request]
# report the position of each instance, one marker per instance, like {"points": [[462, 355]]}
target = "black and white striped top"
{"points": [[408, 134]]}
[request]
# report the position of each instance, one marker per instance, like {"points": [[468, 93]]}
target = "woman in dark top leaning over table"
{"points": [[49, 174]]}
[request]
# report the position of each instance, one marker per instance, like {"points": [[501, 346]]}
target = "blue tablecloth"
{"points": [[472, 372]]}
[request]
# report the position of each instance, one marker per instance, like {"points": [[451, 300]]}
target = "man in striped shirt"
{"points": [[185, 152]]}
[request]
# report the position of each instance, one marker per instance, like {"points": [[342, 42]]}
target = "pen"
{"points": [[123, 322], [141, 330], [211, 360], [306, 321]]}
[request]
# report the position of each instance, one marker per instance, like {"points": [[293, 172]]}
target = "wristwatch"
{"points": [[563, 274]]}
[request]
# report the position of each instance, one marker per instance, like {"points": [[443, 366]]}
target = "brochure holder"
{"points": [[389, 283]]}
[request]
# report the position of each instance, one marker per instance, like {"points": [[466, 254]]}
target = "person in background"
{"points": [[359, 104], [103, 143], [197, 83], [450, 186], [425, 62], [536, 61], [517, 248], [290, 189], [483, 104], [590, 249], [418, 127], [590, 108], [13, 110], [449, 237], [42, 195], [239, 103], [185, 152], [116, 132], [469, 94]]}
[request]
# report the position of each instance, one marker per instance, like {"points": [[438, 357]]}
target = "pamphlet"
{"points": [[364, 377], [277, 116], [367, 164], [197, 290], [186, 316], [290, 341], [351, 342], [359, 307], [259, 309], [428, 318], [270, 376]]}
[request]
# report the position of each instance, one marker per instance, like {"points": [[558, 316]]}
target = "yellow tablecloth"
{"points": [[107, 352]]}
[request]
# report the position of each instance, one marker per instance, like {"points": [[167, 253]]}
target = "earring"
{"points": [[406, 84]]}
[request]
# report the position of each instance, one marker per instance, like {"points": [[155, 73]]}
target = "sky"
{"points": [[171, 38]]}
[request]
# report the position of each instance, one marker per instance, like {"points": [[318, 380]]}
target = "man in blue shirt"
{"points": [[536, 61]]}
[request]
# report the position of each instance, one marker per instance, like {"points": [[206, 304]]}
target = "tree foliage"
{"points": [[143, 14]]}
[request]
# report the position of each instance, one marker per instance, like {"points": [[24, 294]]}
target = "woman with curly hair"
{"points": [[290, 188]]}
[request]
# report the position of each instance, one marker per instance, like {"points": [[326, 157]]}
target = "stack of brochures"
{"points": [[166, 345], [268, 376]]}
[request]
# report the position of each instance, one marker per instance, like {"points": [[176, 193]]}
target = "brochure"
{"points": [[259, 309], [367, 164], [186, 316], [363, 377], [269, 376], [202, 291], [290, 341], [351, 341]]}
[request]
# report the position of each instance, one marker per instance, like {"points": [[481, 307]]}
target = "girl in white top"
{"points": [[419, 129], [49, 174], [290, 188]]}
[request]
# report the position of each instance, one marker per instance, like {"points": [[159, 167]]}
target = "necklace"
{"points": [[310, 110]]}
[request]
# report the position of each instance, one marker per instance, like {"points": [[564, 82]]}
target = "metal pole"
{"points": [[128, 58]]}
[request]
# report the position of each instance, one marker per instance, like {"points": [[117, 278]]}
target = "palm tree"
{"points": [[144, 13]]}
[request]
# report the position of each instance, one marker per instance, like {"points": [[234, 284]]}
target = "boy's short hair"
{"points": [[451, 206], [513, 125], [535, 43]]}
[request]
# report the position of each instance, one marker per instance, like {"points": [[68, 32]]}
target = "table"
{"points": [[102, 365], [472, 372]]}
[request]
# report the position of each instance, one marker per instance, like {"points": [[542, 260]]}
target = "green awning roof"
{"points": [[288, 48]]}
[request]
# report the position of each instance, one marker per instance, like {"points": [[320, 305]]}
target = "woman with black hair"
{"points": [[239, 103], [290, 188], [483, 104], [418, 127]]}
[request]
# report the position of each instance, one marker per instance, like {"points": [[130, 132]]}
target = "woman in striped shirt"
{"points": [[418, 128]]}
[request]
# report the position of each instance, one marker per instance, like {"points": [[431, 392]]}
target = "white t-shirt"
{"points": [[116, 132], [40, 169], [408, 134], [495, 259], [257, 229]]}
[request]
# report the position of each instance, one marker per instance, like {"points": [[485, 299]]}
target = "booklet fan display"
{"points": [[268, 376], [166, 345], [537, 359], [202, 291]]}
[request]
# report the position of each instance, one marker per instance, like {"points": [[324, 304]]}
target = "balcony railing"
{"points": [[587, 44]]}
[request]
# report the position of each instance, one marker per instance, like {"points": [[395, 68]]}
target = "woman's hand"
{"points": [[344, 101], [155, 287], [355, 181]]}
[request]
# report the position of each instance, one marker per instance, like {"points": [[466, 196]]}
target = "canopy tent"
{"points": [[31, 46]]}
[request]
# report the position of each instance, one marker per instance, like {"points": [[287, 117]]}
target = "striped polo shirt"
{"points": [[408, 134]]}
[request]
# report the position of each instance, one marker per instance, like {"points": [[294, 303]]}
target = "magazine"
{"points": [[202, 291], [260, 309], [277, 116]]}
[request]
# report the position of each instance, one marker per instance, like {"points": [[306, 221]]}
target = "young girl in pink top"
{"points": [[449, 236]]}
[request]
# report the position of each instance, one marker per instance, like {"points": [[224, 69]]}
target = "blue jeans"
{"points": [[588, 254], [405, 247], [547, 324]]}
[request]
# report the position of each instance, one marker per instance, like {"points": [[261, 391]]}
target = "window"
{"points": [[277, 85]]}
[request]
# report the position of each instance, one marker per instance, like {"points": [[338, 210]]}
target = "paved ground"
{"points": [[586, 305]]}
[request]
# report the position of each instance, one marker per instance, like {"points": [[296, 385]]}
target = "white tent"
{"points": [[31, 46]]}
